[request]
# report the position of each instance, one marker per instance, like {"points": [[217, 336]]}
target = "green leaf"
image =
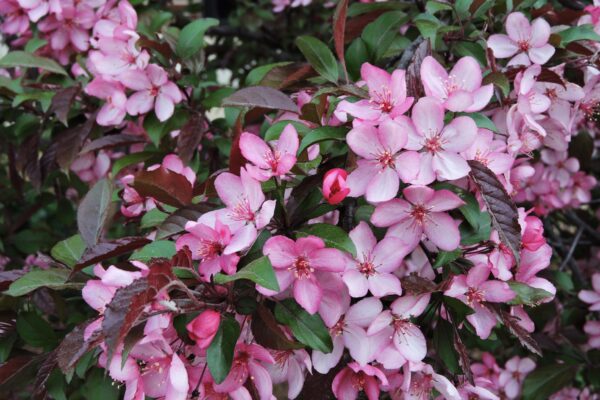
{"points": [[35, 330], [275, 130], [459, 309], [35, 44], [28, 60], [443, 339], [153, 218], [308, 329], [319, 56], [446, 257], [356, 55], [462, 8], [69, 251], [436, 6], [191, 38], [156, 249], [527, 295], [428, 25], [130, 159], [321, 134], [473, 49], [581, 32], [219, 355], [380, 34], [332, 235], [499, 80], [52, 278], [259, 271], [481, 121], [257, 74], [547, 380], [44, 98]]}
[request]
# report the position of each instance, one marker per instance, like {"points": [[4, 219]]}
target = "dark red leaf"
{"points": [[163, 48], [190, 136], [94, 210], [62, 102], [548, 75], [18, 369], [128, 303], [512, 323], [42, 375], [286, 76], [502, 209], [105, 250], [579, 48], [339, 31], [175, 223], [415, 285], [414, 86], [8, 323], [165, 186], [120, 139], [69, 143], [267, 332], [183, 258], [27, 159], [73, 347], [261, 96]]}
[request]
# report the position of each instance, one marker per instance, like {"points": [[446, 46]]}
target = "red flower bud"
{"points": [[203, 328], [334, 186]]}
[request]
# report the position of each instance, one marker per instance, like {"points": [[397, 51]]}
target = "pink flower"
{"points": [[440, 145], [247, 363], [533, 233], [473, 289], [334, 186], [113, 111], [405, 339], [563, 166], [533, 262], [289, 367], [295, 263], [372, 269], [515, 371], [90, 167], [421, 212], [387, 96], [489, 152], [114, 57], [528, 41], [461, 89], [166, 377], [353, 379], [270, 160], [592, 328], [245, 203], [203, 328], [382, 165], [153, 90], [36, 9], [592, 297], [14, 18]]}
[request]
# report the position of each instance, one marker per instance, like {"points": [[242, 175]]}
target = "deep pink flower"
{"points": [[421, 212], [460, 90], [387, 96], [295, 263], [382, 165], [36, 9], [14, 18], [334, 186], [203, 328], [153, 90], [528, 41], [532, 262], [114, 110], [353, 379], [440, 145], [372, 269], [267, 160], [473, 289]]}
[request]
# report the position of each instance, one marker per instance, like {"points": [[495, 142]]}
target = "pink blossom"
{"points": [[36, 9], [422, 382], [247, 363], [70, 27], [404, 339], [14, 18], [440, 145], [460, 90], [515, 371], [295, 264], [334, 186], [592, 297], [488, 370], [114, 110], [421, 212], [267, 160], [387, 96], [528, 43], [203, 328], [532, 237], [166, 377], [353, 379], [153, 90], [115, 57], [90, 167], [564, 166], [372, 269], [592, 329], [473, 289], [382, 165], [490, 152], [533, 262], [289, 367], [215, 246]]}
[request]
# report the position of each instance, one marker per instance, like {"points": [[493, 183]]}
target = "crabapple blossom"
{"points": [[114, 110], [421, 211], [592, 329], [295, 264], [515, 371], [460, 90], [203, 328], [387, 96], [268, 160], [526, 42], [592, 297], [353, 379], [382, 164], [334, 186], [289, 366]]}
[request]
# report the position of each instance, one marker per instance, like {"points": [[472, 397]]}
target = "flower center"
{"points": [[474, 296], [551, 93], [481, 157], [282, 356], [386, 159], [272, 158], [401, 324], [367, 268], [242, 211], [523, 45], [358, 380], [451, 84], [210, 249], [154, 91], [338, 328], [383, 100], [419, 212], [302, 268], [433, 144]]}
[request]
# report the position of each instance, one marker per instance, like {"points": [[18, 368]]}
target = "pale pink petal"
{"points": [[483, 321], [444, 200], [497, 292], [135, 79], [458, 287], [229, 188], [255, 150], [357, 343], [357, 283], [398, 86], [502, 46], [363, 239], [414, 139], [441, 229], [477, 275], [384, 284], [261, 380], [164, 107], [377, 79], [541, 55], [364, 312], [428, 116], [450, 166], [418, 194], [411, 343], [324, 362], [388, 254], [331, 260], [459, 100], [518, 27], [467, 73], [459, 134], [140, 103], [380, 322], [288, 140], [241, 240], [434, 78], [481, 98], [359, 179], [540, 32], [391, 136], [407, 165], [308, 293], [384, 186], [390, 213], [363, 140], [281, 251]]}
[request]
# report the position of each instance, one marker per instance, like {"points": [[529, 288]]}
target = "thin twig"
{"points": [[571, 249]]}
